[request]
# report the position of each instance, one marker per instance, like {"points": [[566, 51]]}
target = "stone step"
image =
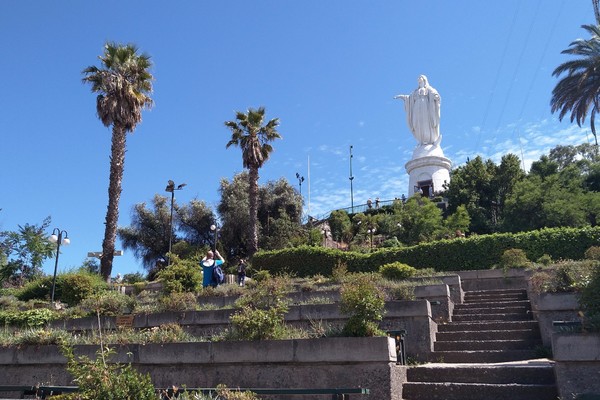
{"points": [[522, 334], [496, 309], [497, 298], [492, 317], [468, 345], [488, 326], [492, 304], [482, 356], [496, 292], [477, 391], [483, 373]]}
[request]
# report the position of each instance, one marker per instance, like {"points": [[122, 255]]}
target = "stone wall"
{"points": [[412, 316], [306, 363], [577, 364]]}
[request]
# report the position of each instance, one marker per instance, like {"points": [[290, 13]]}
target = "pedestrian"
{"points": [[369, 204], [208, 265], [376, 202], [241, 277]]}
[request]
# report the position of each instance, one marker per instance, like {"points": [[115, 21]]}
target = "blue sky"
{"points": [[327, 69]]}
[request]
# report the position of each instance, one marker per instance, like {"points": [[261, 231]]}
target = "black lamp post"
{"points": [[351, 179], [57, 237], [371, 231], [215, 228], [171, 189], [300, 180]]}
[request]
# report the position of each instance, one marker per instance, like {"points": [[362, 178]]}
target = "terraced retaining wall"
{"points": [[306, 363], [577, 364]]}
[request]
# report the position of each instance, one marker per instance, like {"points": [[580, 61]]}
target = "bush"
{"points": [[27, 319], [364, 303], [177, 302], [593, 253], [545, 260], [73, 287], [396, 271], [100, 380], [262, 276], [133, 278], [261, 311], [70, 288], [567, 276], [590, 301], [514, 258], [475, 252], [109, 303], [181, 276]]}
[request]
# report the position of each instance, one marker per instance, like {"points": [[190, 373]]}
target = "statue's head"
{"points": [[422, 81]]}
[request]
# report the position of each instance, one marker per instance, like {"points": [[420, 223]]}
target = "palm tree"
{"points": [[249, 133], [579, 91], [123, 84]]}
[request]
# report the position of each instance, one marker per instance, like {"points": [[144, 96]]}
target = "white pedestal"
{"points": [[428, 167]]}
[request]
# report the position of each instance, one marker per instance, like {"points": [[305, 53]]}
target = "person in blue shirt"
{"points": [[208, 264]]}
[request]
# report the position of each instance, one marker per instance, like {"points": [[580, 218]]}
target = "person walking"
{"points": [[241, 277], [208, 265]]}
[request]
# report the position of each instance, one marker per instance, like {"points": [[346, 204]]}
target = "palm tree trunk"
{"points": [[253, 205], [117, 160]]}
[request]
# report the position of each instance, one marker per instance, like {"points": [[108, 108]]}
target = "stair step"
{"points": [[494, 298], [482, 356], [492, 304], [495, 291], [522, 334], [474, 373], [477, 391], [469, 345], [488, 326], [497, 309], [492, 317]]}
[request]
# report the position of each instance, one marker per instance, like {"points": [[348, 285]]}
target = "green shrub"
{"points": [[514, 258], [38, 289], [472, 253], [589, 301], [396, 271], [27, 319], [181, 276], [73, 287], [262, 276], [178, 302], [108, 303], [98, 379], [566, 276], [365, 305], [41, 337], [545, 260], [133, 278], [261, 311], [593, 253]]}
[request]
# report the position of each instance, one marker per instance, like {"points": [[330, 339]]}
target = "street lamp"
{"points": [[300, 180], [171, 189], [351, 179], [215, 229], [57, 237], [371, 231]]}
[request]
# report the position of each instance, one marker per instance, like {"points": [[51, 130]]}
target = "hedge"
{"points": [[475, 252]]}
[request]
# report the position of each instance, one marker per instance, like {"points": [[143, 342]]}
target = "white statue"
{"points": [[423, 112]]}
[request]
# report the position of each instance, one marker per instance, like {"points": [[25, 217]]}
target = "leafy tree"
{"points": [[234, 214], [24, 252], [577, 93], [124, 84], [149, 232], [421, 221], [249, 133], [459, 221], [340, 225]]}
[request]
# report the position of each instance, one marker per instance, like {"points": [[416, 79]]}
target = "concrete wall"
{"points": [[307, 363], [442, 307], [412, 316], [491, 279], [550, 307], [577, 363]]}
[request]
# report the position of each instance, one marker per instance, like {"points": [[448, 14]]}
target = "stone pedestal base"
{"points": [[428, 170]]}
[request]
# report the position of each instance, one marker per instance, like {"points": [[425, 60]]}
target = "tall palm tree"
{"points": [[579, 91], [124, 84], [249, 133]]}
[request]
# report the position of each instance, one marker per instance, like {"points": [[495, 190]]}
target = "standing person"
{"points": [[208, 264], [241, 272]]}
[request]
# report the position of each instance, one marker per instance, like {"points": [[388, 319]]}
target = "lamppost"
{"points": [[351, 179], [171, 189], [300, 180], [215, 228], [371, 231], [57, 237]]}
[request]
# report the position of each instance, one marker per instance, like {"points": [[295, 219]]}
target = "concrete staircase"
{"points": [[486, 352]]}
